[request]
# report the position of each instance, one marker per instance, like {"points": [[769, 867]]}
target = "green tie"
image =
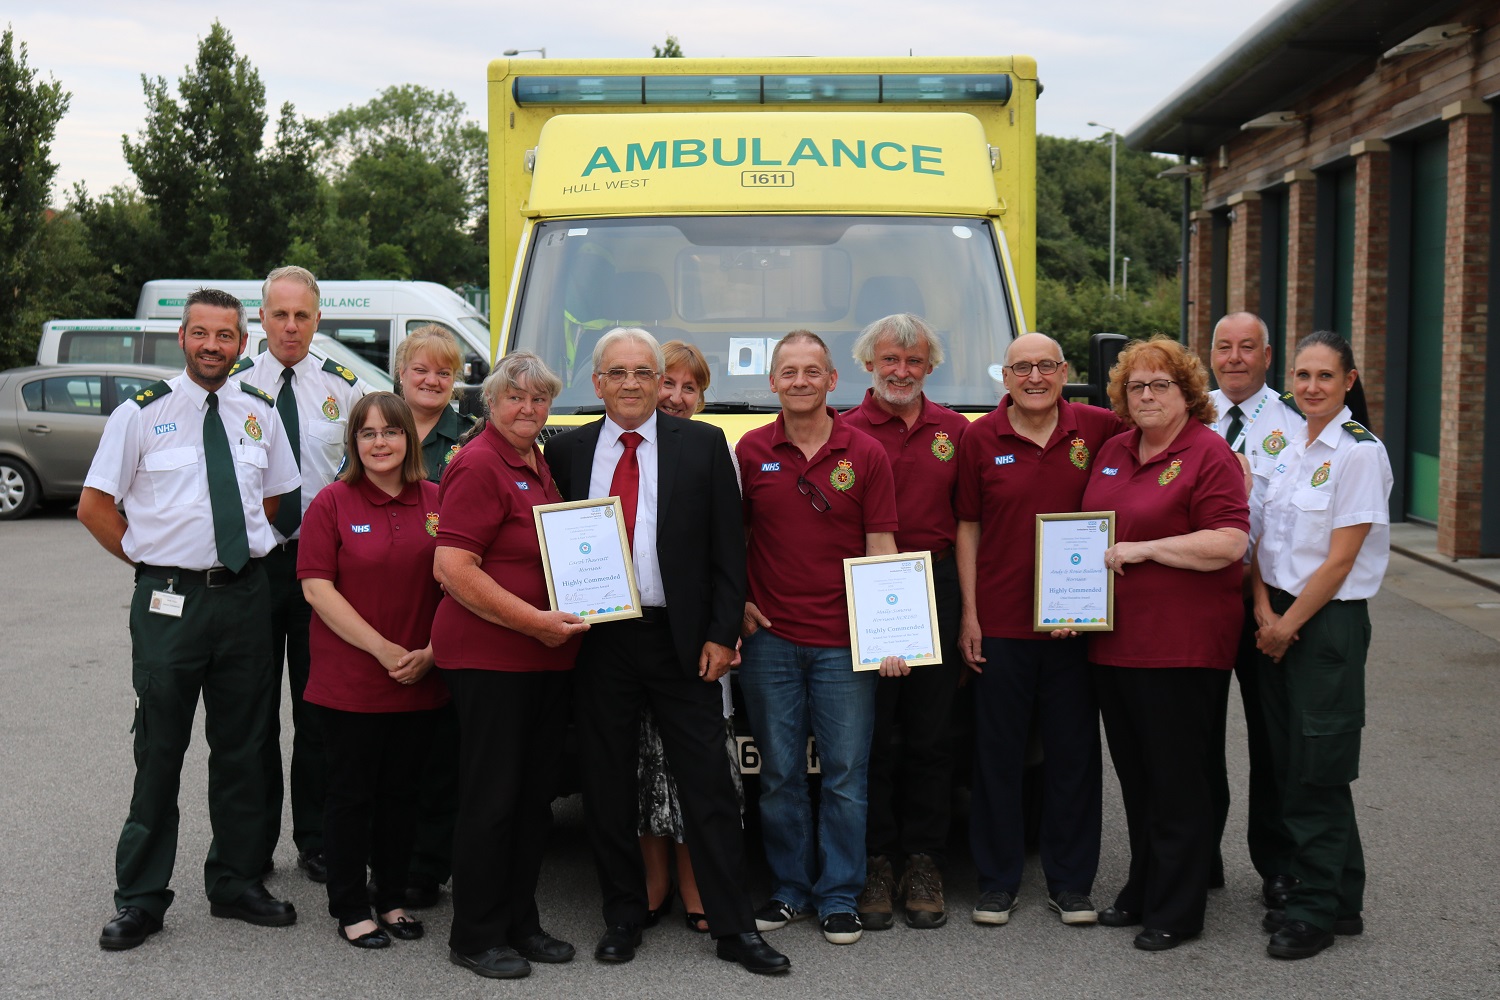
{"points": [[1235, 426], [289, 514], [224, 491]]}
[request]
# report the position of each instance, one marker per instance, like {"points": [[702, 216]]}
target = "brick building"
{"points": [[1347, 154]]}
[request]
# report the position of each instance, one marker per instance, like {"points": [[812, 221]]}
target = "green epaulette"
{"points": [[257, 393], [1291, 404], [242, 364], [152, 392], [1357, 431], [333, 366]]}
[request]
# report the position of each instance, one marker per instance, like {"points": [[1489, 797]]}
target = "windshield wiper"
{"points": [[735, 406]]}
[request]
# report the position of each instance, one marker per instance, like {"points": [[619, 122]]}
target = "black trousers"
{"points": [[1265, 834], [1159, 723], [290, 617], [623, 667], [911, 755], [374, 759], [437, 802], [510, 730], [1053, 676], [219, 647]]}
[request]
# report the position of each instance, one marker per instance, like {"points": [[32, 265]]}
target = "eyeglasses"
{"points": [[1023, 368], [813, 494], [1158, 386], [388, 433], [618, 375]]}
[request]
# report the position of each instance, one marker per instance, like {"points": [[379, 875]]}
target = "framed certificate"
{"points": [[587, 561], [1074, 589], [892, 609]]}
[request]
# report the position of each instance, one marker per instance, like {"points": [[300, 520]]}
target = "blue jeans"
{"points": [[788, 689]]}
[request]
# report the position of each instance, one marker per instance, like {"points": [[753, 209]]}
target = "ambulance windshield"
{"points": [[734, 285]]}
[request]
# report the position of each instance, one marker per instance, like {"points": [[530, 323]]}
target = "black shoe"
{"points": [[496, 963], [312, 862], [128, 929], [543, 947], [751, 951], [653, 917], [369, 939], [422, 893], [1275, 891], [403, 927], [618, 944], [1298, 939], [1275, 920], [1113, 916], [1154, 940], [257, 906]]}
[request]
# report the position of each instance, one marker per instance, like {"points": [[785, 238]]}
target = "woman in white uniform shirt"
{"points": [[1322, 552]]}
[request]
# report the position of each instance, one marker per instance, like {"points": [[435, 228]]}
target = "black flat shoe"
{"points": [[618, 944], [127, 929], [752, 952], [1155, 940], [369, 939], [312, 862], [257, 906], [1298, 939], [1275, 920], [496, 963], [1113, 916], [543, 947], [653, 917], [405, 928]]}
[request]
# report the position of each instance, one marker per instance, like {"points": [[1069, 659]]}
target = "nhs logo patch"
{"points": [[770, 467], [522, 484], [164, 428], [1005, 459], [1109, 472], [360, 529]]}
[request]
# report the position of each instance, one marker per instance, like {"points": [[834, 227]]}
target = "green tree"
{"points": [[408, 182], [225, 205], [671, 50], [29, 113]]}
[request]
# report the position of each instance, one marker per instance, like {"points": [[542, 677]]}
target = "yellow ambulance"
{"points": [[725, 202]]}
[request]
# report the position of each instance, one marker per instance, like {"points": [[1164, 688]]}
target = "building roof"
{"points": [[1294, 49]]}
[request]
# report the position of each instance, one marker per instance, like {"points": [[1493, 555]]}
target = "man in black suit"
{"points": [[681, 506]]}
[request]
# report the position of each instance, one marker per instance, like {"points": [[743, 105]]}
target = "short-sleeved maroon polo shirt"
{"points": [[1167, 617], [796, 553], [1004, 482], [924, 460], [377, 551], [486, 498]]}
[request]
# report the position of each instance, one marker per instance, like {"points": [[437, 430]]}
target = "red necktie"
{"points": [[626, 483]]}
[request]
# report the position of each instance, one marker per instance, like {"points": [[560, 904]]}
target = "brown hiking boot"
{"points": [[921, 889], [874, 903]]}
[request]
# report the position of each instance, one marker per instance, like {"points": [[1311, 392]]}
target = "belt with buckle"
{"points": [[219, 576], [654, 616]]}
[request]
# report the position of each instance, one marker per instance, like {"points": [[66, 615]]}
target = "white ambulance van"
{"points": [[370, 317]]}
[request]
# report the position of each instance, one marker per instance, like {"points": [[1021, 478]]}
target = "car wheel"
{"points": [[19, 491]]}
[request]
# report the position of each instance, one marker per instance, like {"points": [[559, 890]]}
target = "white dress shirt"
{"points": [[324, 399], [1332, 482], [606, 456], [151, 458], [1269, 427]]}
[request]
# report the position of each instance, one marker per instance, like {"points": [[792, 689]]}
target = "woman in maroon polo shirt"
{"points": [[365, 563], [505, 658], [1181, 525]]}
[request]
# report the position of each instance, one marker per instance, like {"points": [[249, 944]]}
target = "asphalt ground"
{"points": [[1428, 810]]}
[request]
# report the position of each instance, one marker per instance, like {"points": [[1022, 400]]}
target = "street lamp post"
{"points": [[1125, 277], [516, 52], [1113, 140]]}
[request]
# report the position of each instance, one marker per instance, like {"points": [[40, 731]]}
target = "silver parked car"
{"points": [[51, 419]]}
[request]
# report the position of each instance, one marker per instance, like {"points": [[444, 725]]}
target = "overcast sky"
{"points": [[1100, 60]]}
